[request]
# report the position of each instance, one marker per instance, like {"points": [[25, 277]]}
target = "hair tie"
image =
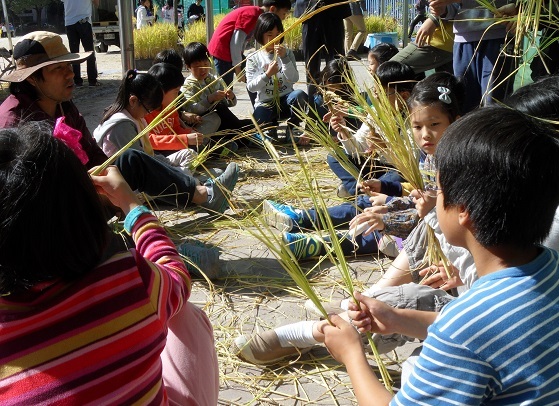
{"points": [[444, 94]]}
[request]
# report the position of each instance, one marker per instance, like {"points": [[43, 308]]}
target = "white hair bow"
{"points": [[444, 95]]}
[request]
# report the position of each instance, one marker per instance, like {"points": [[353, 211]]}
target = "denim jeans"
{"points": [[267, 115], [82, 32], [221, 67], [156, 178]]}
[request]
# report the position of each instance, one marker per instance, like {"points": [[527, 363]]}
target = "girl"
{"points": [[138, 95], [434, 105], [76, 309], [379, 54], [144, 16], [271, 73]]}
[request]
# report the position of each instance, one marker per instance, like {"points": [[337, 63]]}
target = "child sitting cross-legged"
{"points": [[271, 73], [494, 344]]}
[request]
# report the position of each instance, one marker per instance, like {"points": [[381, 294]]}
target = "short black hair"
{"points": [[26, 87], [279, 4], [383, 52], [267, 22], [169, 56], [502, 166], [396, 75], [539, 99], [52, 224], [426, 92], [337, 72], [168, 76], [195, 52]]}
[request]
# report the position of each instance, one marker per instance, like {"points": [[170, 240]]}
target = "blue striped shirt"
{"points": [[497, 344]]}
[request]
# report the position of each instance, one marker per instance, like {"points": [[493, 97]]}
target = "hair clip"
{"points": [[444, 95], [132, 73]]}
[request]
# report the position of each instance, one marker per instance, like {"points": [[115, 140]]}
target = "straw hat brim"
{"points": [[19, 75]]}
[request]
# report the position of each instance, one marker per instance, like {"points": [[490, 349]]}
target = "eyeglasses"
{"points": [[432, 188], [144, 106]]}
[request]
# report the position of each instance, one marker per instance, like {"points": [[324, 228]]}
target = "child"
{"points": [[271, 73], [139, 94], [213, 103], [493, 344], [72, 306], [172, 134], [380, 54], [144, 17]]}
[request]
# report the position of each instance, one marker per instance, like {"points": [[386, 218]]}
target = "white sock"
{"points": [[297, 334], [367, 292], [210, 191]]}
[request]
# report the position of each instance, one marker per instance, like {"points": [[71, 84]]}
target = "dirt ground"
{"points": [[255, 293]]}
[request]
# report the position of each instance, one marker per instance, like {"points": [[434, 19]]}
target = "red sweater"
{"points": [[244, 19], [168, 135]]}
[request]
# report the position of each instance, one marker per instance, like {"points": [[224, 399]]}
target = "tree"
{"points": [[17, 6]]}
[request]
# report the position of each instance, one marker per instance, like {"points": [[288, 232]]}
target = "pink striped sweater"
{"points": [[96, 340]]}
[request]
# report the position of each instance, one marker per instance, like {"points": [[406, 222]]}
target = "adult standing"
{"points": [[77, 18], [228, 41], [356, 19], [324, 31]]}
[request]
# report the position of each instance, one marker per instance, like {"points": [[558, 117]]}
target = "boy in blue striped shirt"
{"points": [[495, 344]]}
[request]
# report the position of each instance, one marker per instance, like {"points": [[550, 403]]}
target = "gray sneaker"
{"points": [[201, 260], [223, 185], [264, 348]]}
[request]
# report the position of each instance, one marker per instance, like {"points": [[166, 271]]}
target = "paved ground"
{"points": [[255, 293]]}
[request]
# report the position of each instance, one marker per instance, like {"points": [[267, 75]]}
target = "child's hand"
{"points": [[436, 277], [372, 315], [378, 199], [370, 186], [280, 50], [230, 95], [110, 183], [338, 123], [273, 68], [195, 139], [191, 118], [373, 220], [342, 339], [217, 96], [425, 33], [424, 201]]}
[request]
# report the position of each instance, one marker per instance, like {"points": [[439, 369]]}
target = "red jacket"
{"points": [[168, 135]]}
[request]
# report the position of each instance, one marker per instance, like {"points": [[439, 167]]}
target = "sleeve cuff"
{"points": [[133, 216]]}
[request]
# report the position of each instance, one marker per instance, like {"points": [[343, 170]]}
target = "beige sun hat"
{"points": [[38, 49]]}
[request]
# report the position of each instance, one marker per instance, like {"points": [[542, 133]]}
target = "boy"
{"points": [[494, 344], [228, 41]]}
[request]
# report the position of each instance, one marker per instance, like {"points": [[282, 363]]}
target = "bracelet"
{"points": [[133, 216]]}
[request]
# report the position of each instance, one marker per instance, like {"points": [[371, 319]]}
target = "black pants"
{"points": [[82, 32]]}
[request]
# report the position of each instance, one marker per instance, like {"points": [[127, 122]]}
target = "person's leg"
{"points": [[222, 67], [464, 66], [229, 121], [496, 67], [421, 59], [86, 36], [349, 182], [312, 41], [295, 102], [359, 22], [74, 45], [348, 33], [190, 368], [266, 116]]}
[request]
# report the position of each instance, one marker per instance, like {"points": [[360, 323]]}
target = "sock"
{"points": [[367, 292], [297, 334], [210, 190]]}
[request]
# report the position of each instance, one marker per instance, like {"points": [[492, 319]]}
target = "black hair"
{"points": [[52, 224], [430, 91], [195, 52], [396, 75], [168, 76], [26, 87], [169, 56], [336, 72], [539, 99], [279, 4], [267, 22], [502, 166], [144, 86], [383, 52]]}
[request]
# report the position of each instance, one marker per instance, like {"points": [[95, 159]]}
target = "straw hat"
{"points": [[38, 49]]}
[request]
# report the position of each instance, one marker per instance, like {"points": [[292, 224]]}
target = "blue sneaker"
{"points": [[303, 246], [281, 216]]}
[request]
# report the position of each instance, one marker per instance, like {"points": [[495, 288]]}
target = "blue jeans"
{"points": [[267, 115], [481, 65], [82, 32], [221, 67]]}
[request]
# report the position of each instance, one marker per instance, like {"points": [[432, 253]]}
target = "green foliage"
{"points": [[17, 6], [152, 39], [376, 23]]}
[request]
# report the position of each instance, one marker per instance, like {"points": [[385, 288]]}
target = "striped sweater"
{"points": [[496, 344], [96, 340]]}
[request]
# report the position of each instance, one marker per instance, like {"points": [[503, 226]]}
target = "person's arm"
{"points": [[257, 79], [195, 104], [236, 46], [122, 133], [400, 223], [290, 67]]}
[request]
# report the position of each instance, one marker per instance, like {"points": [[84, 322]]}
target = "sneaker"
{"points": [[333, 307], [352, 55], [297, 135], [342, 192], [280, 216], [201, 260], [303, 246], [222, 186], [264, 348]]}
